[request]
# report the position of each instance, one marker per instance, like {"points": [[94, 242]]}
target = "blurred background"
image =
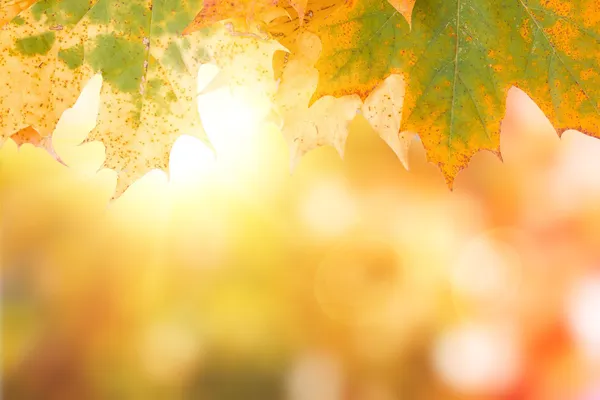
{"points": [[229, 277]]}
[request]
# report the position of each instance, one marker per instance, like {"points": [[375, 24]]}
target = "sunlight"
{"points": [[75, 125], [230, 115], [234, 118], [190, 160]]}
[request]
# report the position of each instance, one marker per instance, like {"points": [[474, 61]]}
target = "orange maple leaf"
{"points": [[31, 136], [247, 16]]}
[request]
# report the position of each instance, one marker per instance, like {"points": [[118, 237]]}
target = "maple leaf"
{"points": [[326, 121], [148, 97], [404, 7], [355, 56], [460, 58], [469, 55], [250, 16], [12, 8], [383, 110], [242, 61], [246, 16], [31, 136]]}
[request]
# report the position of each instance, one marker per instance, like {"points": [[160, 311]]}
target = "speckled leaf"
{"points": [[243, 16], [29, 135], [148, 96], [467, 53], [242, 61], [560, 67], [361, 39], [11, 8], [460, 67], [459, 58], [383, 110], [323, 123]]}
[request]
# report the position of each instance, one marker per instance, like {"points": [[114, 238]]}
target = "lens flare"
{"points": [[190, 160], [230, 114]]}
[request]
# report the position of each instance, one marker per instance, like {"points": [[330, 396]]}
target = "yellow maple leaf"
{"points": [[12, 8], [383, 110], [326, 121], [246, 17]]}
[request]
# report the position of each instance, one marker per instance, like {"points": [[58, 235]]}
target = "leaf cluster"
{"points": [[457, 59]]}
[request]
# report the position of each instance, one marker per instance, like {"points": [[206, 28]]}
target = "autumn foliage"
{"points": [[300, 199], [457, 58]]}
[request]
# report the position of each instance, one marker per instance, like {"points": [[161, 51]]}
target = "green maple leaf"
{"points": [[469, 52], [51, 49], [459, 58]]}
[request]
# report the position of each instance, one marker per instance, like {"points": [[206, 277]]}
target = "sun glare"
{"points": [[74, 126], [190, 160], [231, 115]]}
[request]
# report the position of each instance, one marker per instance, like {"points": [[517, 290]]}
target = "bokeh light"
{"points": [[582, 308], [328, 208], [478, 358], [191, 160]]}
